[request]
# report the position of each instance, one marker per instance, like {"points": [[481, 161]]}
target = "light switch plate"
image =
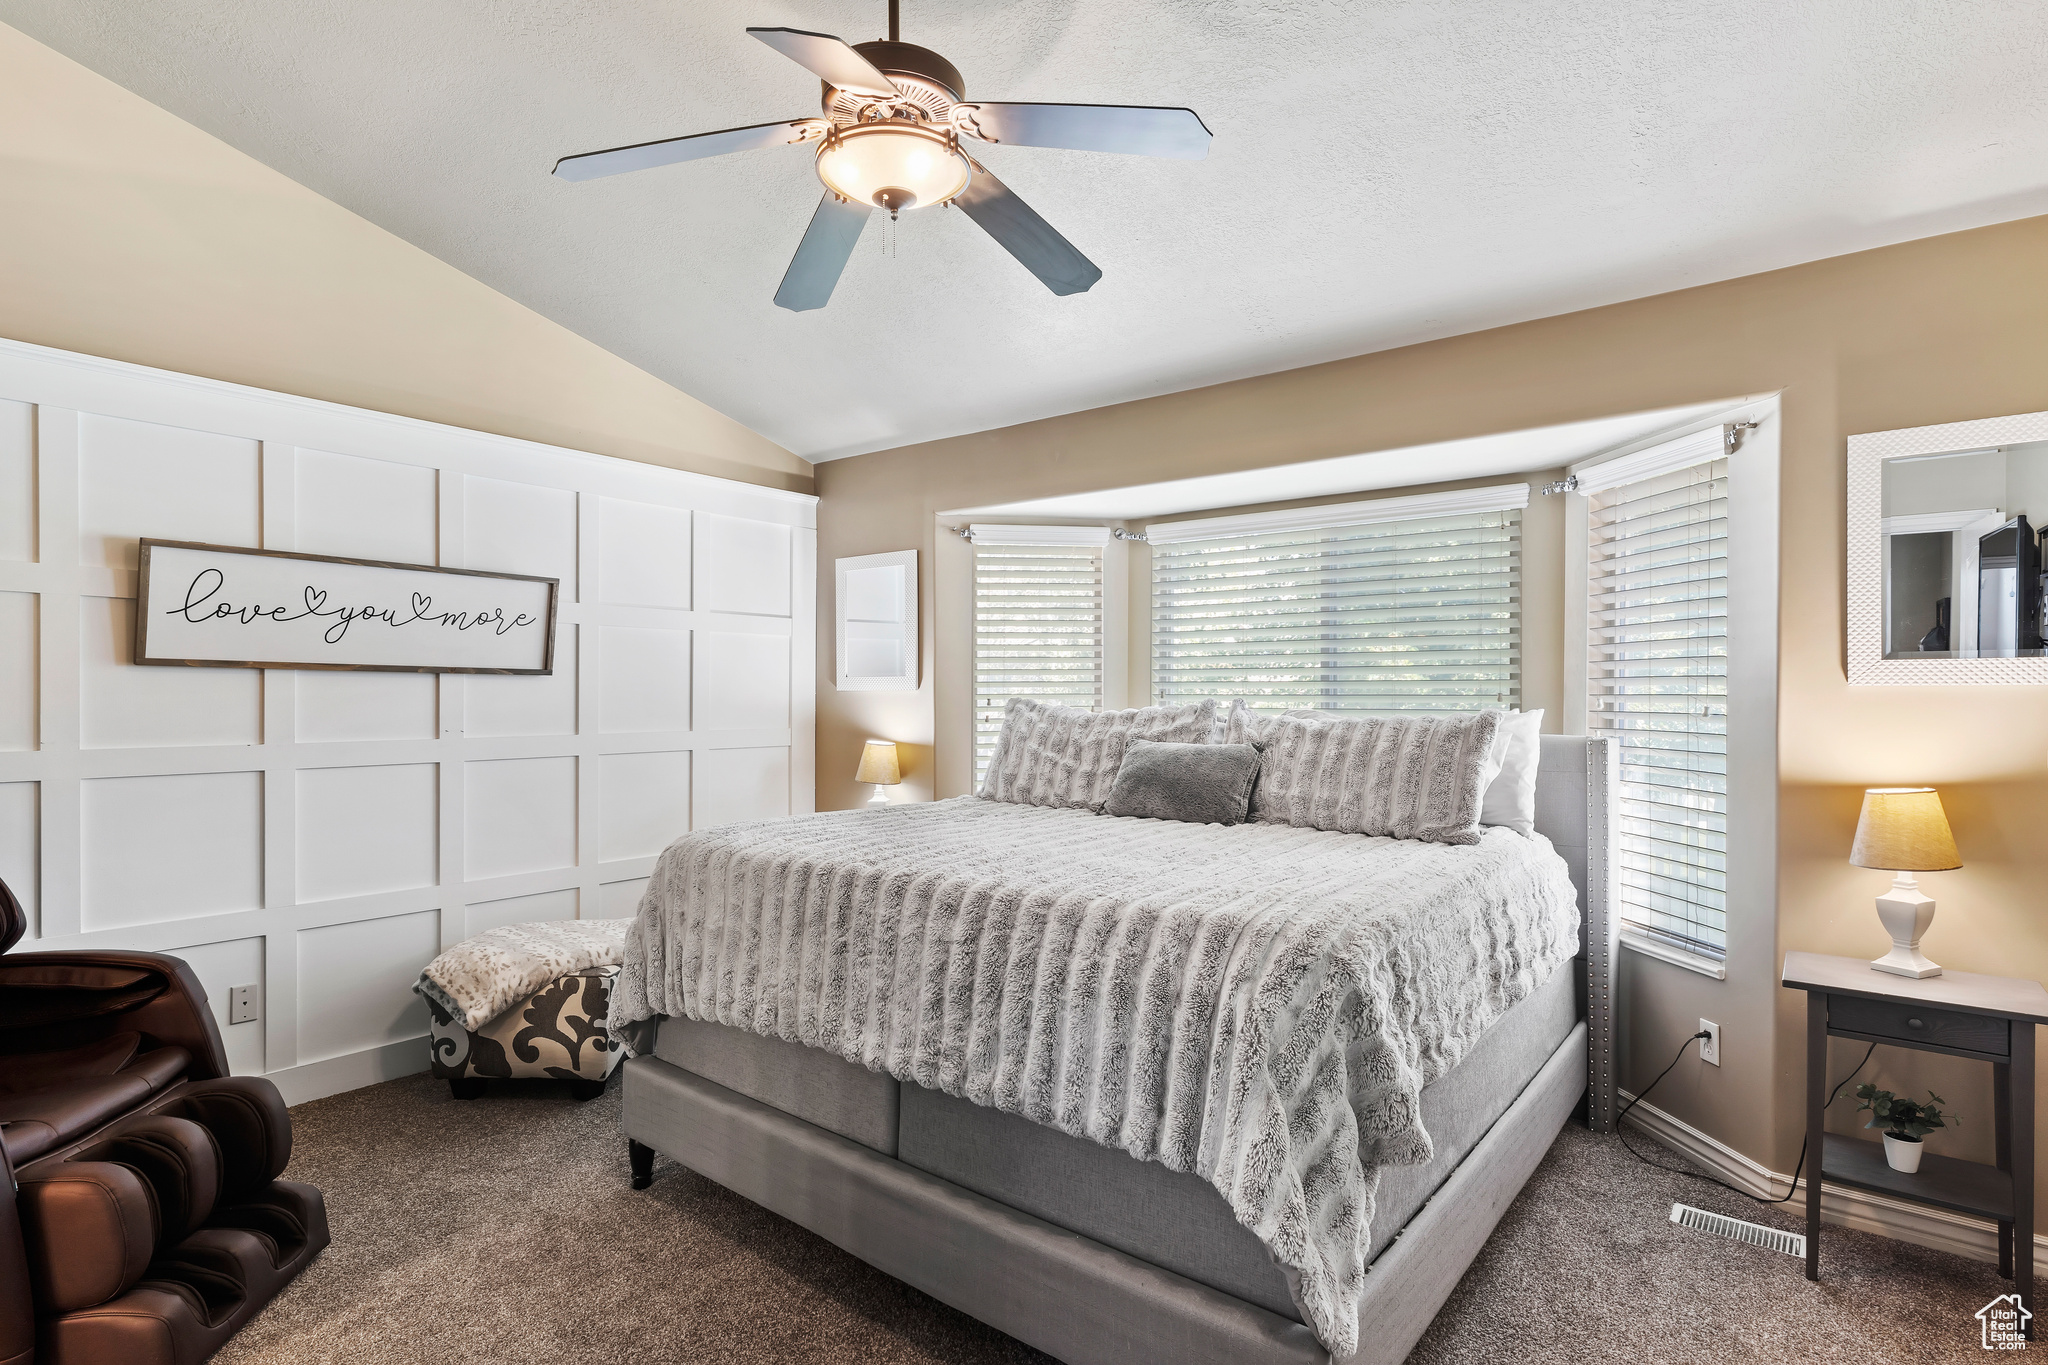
{"points": [[241, 1004]]}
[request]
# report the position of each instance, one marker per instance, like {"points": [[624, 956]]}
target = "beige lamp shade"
{"points": [[1903, 829], [878, 764]]}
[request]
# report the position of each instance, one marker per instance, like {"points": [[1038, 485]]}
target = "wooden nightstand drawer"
{"points": [[1920, 1025]]}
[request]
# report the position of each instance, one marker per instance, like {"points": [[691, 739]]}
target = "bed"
{"points": [[1010, 1186]]}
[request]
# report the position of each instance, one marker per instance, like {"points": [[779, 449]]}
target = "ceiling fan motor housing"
{"points": [[910, 65], [874, 141]]}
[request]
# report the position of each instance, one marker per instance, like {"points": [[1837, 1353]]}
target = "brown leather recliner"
{"points": [[145, 1221]]}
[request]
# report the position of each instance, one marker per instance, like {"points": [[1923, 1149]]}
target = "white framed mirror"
{"points": [[877, 611], [1945, 565]]}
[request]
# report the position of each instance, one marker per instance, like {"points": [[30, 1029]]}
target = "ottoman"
{"points": [[557, 1032]]}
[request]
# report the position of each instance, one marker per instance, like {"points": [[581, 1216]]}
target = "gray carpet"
{"points": [[502, 1230]]}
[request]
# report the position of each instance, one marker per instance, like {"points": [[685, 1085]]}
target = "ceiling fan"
{"points": [[894, 135]]}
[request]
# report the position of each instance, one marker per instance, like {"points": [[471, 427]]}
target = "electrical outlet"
{"points": [[241, 1004], [1710, 1046]]}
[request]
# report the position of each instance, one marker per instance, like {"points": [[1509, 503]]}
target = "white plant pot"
{"points": [[1903, 1153]]}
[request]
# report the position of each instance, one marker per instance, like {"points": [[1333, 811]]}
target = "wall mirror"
{"points": [[877, 611], [1945, 553]]}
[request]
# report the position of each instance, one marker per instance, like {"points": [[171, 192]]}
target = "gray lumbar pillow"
{"points": [[1201, 784]]}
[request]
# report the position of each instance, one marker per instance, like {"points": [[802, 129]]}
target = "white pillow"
{"points": [[1510, 798], [1496, 758]]}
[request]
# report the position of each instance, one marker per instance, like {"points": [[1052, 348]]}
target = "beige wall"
{"points": [[127, 233], [1931, 331]]}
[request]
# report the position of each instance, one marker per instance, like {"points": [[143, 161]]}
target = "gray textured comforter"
{"points": [[1258, 1004]]}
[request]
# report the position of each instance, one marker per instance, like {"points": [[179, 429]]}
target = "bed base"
{"points": [[1071, 1297]]}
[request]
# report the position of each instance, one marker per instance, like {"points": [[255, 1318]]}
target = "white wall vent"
{"points": [[1756, 1234]]}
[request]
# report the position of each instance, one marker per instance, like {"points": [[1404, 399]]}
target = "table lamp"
{"points": [[878, 765], [1903, 830]]}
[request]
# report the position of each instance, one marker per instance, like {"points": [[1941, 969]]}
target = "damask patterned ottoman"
{"points": [[558, 1032]]}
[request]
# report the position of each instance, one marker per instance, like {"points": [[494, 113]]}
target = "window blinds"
{"points": [[1037, 631], [1420, 614], [1657, 681]]}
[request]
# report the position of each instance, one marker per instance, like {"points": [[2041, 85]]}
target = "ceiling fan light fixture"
{"points": [[893, 164]]}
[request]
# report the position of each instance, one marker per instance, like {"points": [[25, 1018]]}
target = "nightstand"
{"points": [[1983, 1018]]}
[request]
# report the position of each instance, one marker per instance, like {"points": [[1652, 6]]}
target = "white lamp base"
{"points": [[1906, 913], [881, 798]]}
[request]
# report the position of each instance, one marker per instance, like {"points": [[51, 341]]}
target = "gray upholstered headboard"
{"points": [[1576, 781]]}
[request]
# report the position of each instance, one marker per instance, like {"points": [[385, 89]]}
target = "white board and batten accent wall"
{"points": [[322, 835]]}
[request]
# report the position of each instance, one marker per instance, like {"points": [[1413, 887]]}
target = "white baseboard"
{"points": [[1858, 1209], [350, 1071]]}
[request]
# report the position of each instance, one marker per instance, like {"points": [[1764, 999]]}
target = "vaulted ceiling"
{"points": [[1381, 172]]}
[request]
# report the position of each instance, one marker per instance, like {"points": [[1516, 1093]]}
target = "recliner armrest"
{"points": [[177, 1016]]}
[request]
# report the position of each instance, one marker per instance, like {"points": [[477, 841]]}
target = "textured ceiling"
{"points": [[1381, 172]]}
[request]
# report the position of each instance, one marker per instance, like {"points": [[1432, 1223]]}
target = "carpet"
{"points": [[469, 1232]]}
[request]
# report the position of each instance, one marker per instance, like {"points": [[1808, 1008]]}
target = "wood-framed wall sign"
{"points": [[227, 606]]}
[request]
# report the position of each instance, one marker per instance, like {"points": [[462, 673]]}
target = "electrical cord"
{"points": [[1622, 1133]]}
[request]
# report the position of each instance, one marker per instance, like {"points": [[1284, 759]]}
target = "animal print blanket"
{"points": [[483, 976]]}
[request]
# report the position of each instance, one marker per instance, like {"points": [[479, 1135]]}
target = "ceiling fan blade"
{"points": [[828, 241], [1035, 243], [830, 60], [1137, 129], [668, 151]]}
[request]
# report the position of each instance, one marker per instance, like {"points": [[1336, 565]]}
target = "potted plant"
{"points": [[1904, 1122]]}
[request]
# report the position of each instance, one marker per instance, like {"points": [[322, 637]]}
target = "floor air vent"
{"points": [[1756, 1234]]}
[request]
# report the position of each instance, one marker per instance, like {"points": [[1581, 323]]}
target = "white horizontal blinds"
{"points": [[1037, 632], [1657, 680], [1420, 614]]}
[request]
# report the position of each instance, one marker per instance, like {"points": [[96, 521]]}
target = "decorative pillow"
{"points": [[1201, 784], [1510, 799], [1411, 777], [1509, 777], [1243, 725], [1053, 755], [1246, 726]]}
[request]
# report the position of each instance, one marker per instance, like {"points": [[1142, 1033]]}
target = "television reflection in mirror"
{"points": [[1963, 556]]}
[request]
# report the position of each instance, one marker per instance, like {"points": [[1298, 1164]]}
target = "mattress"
{"points": [[1170, 1219]]}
